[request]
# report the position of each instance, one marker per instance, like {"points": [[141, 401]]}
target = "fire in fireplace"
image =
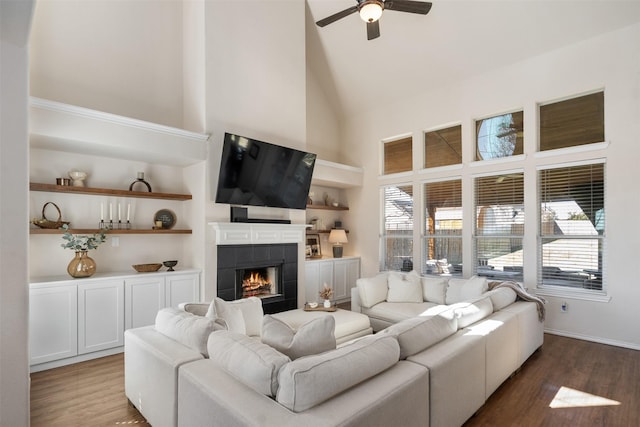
{"points": [[259, 282]]}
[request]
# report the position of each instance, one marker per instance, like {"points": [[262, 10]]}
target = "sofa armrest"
{"points": [[355, 300], [393, 397], [151, 362]]}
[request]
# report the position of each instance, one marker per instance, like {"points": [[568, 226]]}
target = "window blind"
{"points": [[397, 235]]}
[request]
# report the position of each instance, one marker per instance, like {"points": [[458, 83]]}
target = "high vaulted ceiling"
{"points": [[455, 41]]}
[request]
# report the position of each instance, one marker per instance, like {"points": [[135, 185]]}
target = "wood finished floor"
{"points": [[92, 393]]}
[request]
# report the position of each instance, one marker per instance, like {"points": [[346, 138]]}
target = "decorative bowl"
{"points": [[146, 268], [170, 264]]}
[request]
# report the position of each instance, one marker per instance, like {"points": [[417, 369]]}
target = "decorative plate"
{"points": [[167, 217]]}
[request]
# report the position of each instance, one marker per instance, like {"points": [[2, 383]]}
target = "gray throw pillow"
{"points": [[314, 337]]}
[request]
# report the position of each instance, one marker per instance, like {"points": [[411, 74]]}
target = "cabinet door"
{"points": [[346, 272], [143, 298], [181, 288], [53, 323], [100, 315]]}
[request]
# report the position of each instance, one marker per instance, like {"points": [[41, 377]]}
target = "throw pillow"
{"points": [[404, 288], [252, 362], [434, 289], [372, 290], [470, 312], [464, 290], [418, 333], [186, 328], [502, 297], [309, 381], [314, 337], [229, 314]]}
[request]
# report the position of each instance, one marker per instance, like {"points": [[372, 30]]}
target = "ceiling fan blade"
{"points": [[421, 7], [333, 18], [373, 30]]}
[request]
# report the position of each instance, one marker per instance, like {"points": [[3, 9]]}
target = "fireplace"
{"points": [[267, 271]]}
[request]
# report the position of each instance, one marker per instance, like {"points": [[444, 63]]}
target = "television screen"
{"points": [[256, 173]]}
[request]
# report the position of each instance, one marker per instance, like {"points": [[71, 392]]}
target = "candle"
{"points": [[110, 211], [128, 211], [119, 214], [101, 211]]}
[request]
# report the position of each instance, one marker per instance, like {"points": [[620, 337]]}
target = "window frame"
{"points": [[386, 236]]}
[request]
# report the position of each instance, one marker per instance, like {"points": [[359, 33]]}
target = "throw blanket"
{"points": [[523, 294]]}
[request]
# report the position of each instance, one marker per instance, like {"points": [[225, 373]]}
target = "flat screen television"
{"points": [[257, 173]]}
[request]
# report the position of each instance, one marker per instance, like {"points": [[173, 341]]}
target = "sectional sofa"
{"points": [[431, 367]]}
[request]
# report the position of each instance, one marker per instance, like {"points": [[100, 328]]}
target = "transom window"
{"points": [[499, 136], [398, 156], [443, 147]]}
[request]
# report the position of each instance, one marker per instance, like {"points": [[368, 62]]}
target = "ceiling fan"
{"points": [[371, 10]]}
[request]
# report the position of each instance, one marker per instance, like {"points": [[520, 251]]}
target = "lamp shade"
{"points": [[338, 236], [370, 10]]}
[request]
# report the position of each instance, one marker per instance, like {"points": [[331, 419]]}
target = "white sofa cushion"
{"points": [[419, 333], [243, 315], [395, 312], [471, 312], [501, 297], [372, 290], [404, 287], [186, 328], [252, 362], [313, 337], [434, 289], [464, 290], [311, 380]]}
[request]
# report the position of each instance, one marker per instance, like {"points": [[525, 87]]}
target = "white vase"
{"points": [[327, 303]]}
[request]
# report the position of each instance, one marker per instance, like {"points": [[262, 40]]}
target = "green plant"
{"points": [[81, 243]]}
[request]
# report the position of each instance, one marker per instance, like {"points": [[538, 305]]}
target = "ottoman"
{"points": [[349, 324]]}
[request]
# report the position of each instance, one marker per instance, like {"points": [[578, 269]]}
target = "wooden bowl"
{"points": [[146, 268]]}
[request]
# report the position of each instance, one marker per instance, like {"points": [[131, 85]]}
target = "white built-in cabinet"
{"points": [[338, 273], [80, 319]]}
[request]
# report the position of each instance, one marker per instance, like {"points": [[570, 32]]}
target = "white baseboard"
{"points": [[76, 359], [600, 340]]}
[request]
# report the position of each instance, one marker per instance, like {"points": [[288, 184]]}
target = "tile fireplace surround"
{"points": [[242, 245]]}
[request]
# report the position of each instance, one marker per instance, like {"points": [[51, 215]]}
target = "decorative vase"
{"points": [[327, 303], [82, 265]]}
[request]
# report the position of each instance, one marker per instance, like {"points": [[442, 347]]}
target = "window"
{"points": [[571, 226], [442, 241], [499, 209], [576, 121], [397, 236], [398, 156], [499, 136], [443, 147]]}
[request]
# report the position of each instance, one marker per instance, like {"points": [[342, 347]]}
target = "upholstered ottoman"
{"points": [[349, 324]]}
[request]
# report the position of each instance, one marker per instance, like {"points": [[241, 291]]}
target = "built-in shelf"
{"points": [[52, 188], [328, 208], [310, 231], [95, 230]]}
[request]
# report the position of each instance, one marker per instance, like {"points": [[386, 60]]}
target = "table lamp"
{"points": [[337, 237]]}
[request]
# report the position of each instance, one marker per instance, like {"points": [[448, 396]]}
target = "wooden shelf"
{"points": [[328, 208], [52, 188], [309, 231], [94, 230]]}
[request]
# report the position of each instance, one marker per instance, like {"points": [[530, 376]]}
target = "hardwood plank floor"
{"points": [[92, 393]]}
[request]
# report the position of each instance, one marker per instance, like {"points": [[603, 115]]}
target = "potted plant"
{"points": [[82, 265], [326, 293]]}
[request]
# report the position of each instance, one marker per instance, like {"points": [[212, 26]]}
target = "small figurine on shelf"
{"points": [[140, 180]]}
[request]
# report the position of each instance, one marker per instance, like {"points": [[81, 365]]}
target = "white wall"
{"points": [[121, 57], [609, 61], [15, 19]]}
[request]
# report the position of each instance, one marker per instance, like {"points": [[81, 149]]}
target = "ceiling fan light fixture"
{"points": [[370, 10]]}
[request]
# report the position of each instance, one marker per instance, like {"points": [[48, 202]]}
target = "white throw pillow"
{"points": [[470, 312], [229, 313], [311, 380], [419, 333], [186, 328], [464, 290], [252, 362], [251, 309], [434, 289], [404, 287], [313, 337], [502, 297], [372, 290]]}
